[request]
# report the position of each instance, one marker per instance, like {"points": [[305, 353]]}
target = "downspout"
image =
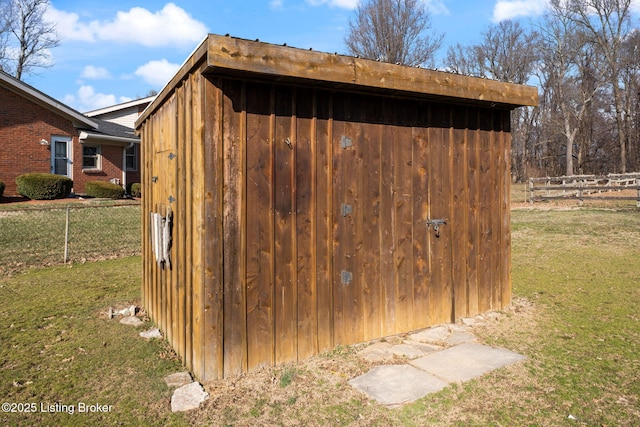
{"points": [[124, 165]]}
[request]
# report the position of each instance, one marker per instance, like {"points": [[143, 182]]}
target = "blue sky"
{"points": [[114, 51]]}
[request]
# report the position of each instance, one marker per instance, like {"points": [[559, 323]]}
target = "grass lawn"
{"points": [[576, 280]]}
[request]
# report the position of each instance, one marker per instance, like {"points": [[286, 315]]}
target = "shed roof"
{"points": [[224, 55]]}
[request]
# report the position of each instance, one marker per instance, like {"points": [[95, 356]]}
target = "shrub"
{"points": [[43, 186], [136, 189], [105, 190], [1, 189]]}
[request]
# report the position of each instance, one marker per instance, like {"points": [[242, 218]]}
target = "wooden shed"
{"points": [[295, 200]]}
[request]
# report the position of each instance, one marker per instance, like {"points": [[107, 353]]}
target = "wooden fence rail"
{"points": [[589, 187]]}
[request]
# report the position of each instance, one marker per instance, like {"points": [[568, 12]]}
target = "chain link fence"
{"points": [[57, 234]]}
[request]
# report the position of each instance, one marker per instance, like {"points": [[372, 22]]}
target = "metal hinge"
{"points": [[345, 142], [346, 209], [346, 277], [172, 156], [172, 199]]}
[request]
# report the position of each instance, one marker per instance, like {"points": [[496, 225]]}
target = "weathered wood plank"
{"points": [[387, 222], [234, 230], [486, 237], [324, 217], [473, 210], [205, 229], [369, 189], [495, 203], [342, 223], [440, 298], [459, 212], [381, 75], [421, 166], [182, 218], [260, 261], [504, 210], [351, 224], [285, 274], [305, 152], [404, 118], [179, 264]]}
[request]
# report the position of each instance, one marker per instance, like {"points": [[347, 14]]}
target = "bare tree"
{"points": [[393, 31], [506, 52], [568, 76], [30, 36], [607, 24], [630, 77]]}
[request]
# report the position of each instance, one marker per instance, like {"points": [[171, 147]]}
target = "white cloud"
{"points": [[345, 4], [68, 26], [157, 73], [436, 7], [170, 26], [95, 73], [509, 9], [86, 99]]}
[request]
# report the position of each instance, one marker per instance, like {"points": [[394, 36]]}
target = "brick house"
{"points": [[40, 134]]}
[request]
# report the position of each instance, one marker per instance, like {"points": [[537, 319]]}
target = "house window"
{"points": [[90, 157], [131, 155]]}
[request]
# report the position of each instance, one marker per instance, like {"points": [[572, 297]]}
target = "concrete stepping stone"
{"points": [[466, 361], [178, 379], [377, 353], [188, 397], [394, 385], [131, 320], [431, 335], [151, 333], [459, 337], [407, 351]]}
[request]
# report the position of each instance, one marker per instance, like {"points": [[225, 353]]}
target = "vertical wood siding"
{"points": [[268, 267]]}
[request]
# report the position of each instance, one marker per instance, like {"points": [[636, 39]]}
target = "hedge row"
{"points": [[102, 189], [43, 186], [2, 186], [46, 186]]}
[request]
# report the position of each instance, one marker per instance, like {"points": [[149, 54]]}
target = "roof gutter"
{"points": [[111, 140]]}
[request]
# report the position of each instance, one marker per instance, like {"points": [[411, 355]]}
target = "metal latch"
{"points": [[436, 225]]}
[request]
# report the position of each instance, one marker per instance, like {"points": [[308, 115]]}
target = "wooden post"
{"points": [[638, 198]]}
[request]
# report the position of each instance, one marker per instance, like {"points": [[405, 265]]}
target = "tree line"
{"points": [[584, 56]]}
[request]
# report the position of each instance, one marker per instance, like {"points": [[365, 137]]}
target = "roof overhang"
{"points": [[78, 119], [228, 56], [118, 107]]}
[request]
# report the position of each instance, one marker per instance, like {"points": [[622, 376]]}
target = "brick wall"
{"points": [[111, 164], [22, 125]]}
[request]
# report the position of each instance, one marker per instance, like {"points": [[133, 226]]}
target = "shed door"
{"points": [[391, 274]]}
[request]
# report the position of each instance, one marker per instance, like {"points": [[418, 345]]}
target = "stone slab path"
{"points": [[433, 359]]}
